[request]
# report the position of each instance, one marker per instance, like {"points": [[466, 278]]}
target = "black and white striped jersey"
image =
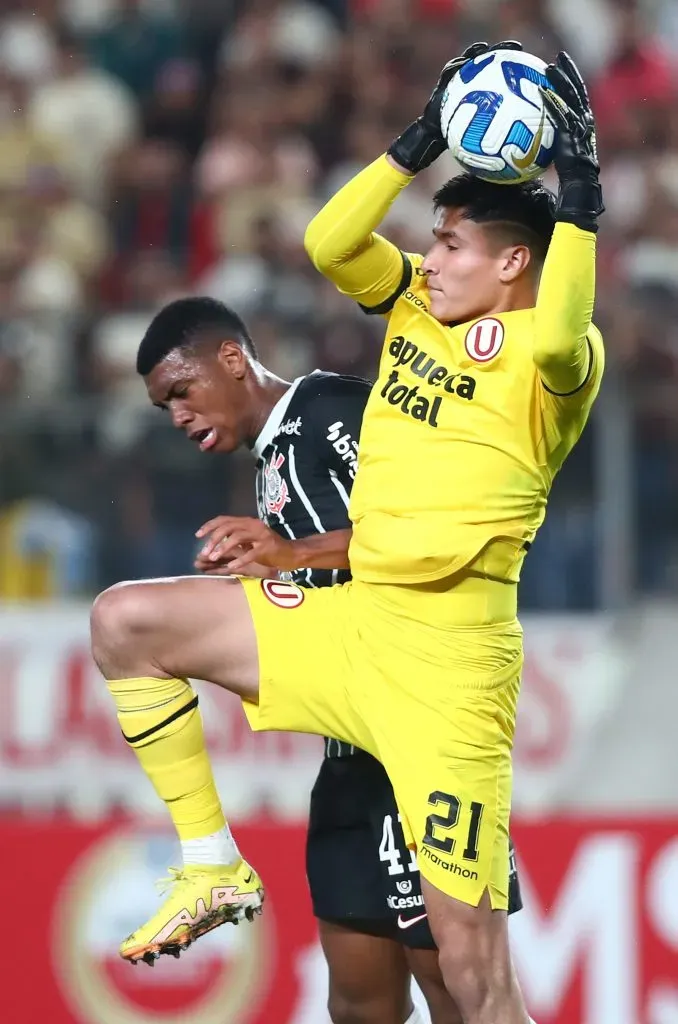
{"points": [[307, 455]]}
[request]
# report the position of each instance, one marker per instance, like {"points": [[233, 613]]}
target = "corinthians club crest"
{"points": [[276, 491]]}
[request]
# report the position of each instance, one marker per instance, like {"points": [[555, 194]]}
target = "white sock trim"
{"points": [[218, 848], [415, 1017]]}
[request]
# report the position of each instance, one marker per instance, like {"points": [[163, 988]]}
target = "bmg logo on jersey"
{"points": [[344, 446]]}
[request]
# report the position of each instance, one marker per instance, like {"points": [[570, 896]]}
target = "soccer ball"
{"points": [[494, 120]]}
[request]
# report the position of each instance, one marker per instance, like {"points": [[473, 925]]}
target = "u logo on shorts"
{"points": [[284, 595]]}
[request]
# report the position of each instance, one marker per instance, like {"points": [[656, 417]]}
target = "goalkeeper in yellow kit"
{"points": [[489, 370]]}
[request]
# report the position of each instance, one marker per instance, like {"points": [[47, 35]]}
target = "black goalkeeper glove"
{"points": [[423, 142], [580, 197]]}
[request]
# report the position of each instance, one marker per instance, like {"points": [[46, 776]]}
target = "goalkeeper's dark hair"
{"points": [[191, 324], [522, 214]]}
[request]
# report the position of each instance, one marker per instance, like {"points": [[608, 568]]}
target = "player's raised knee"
{"points": [[123, 613]]}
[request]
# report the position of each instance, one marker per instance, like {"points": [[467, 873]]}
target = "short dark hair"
{"points": [[188, 323], [524, 213]]}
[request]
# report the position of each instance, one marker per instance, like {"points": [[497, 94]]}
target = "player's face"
{"points": [[467, 274], [206, 395]]}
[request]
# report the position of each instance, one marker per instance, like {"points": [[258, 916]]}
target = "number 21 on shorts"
{"points": [[437, 825]]}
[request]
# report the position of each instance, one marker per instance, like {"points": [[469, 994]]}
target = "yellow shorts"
{"points": [[380, 667]]}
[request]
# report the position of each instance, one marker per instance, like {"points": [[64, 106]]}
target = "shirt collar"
{"points": [[275, 418]]}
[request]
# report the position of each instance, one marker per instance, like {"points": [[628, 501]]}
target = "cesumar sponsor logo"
{"points": [[290, 427], [422, 407], [405, 902], [344, 446], [454, 869]]}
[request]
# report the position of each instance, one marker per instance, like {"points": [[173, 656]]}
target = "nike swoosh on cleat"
{"points": [[409, 921], [249, 878]]}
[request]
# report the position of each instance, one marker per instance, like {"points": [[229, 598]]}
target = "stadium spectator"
{"points": [[154, 149]]}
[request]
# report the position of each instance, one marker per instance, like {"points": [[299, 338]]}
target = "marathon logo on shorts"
{"points": [[422, 407], [405, 902], [283, 594], [454, 869]]}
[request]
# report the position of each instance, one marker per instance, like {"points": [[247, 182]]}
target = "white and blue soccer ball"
{"points": [[494, 119]]}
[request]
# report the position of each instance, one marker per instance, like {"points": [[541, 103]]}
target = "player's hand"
{"points": [[423, 142], [580, 199], [237, 542]]}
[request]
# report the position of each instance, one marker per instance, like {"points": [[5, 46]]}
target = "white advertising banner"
{"points": [[60, 744]]}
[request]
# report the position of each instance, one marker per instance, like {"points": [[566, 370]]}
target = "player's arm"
{"points": [[322, 550], [342, 243], [241, 544], [341, 240], [564, 308]]}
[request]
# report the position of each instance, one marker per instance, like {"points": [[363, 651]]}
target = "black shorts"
{"points": [[361, 874]]}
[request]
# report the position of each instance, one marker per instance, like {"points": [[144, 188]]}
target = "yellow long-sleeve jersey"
{"points": [[467, 425]]}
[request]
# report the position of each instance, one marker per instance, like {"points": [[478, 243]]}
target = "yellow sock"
{"points": [[161, 721]]}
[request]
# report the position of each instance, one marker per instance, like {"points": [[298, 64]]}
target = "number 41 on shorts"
{"points": [[389, 851]]}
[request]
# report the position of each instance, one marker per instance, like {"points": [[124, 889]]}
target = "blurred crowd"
{"points": [[154, 149]]}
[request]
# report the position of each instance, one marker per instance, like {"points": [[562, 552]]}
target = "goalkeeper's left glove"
{"points": [[580, 197], [422, 142]]}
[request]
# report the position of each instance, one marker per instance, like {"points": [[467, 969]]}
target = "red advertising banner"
{"points": [[60, 741], [72, 893], [597, 942]]}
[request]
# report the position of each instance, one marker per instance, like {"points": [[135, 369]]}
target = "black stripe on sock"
{"points": [[161, 725]]}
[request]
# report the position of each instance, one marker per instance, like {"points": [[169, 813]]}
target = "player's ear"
{"points": [[232, 356], [515, 261]]}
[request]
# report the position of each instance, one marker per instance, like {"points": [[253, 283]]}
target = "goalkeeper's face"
{"points": [[471, 272]]}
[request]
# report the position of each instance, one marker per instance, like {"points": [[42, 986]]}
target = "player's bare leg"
{"points": [[423, 964], [148, 638], [200, 625], [369, 977], [475, 959]]}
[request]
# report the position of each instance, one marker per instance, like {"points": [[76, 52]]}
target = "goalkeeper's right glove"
{"points": [[580, 196], [422, 142]]}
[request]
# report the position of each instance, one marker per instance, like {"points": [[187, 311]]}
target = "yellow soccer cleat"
{"points": [[201, 898]]}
